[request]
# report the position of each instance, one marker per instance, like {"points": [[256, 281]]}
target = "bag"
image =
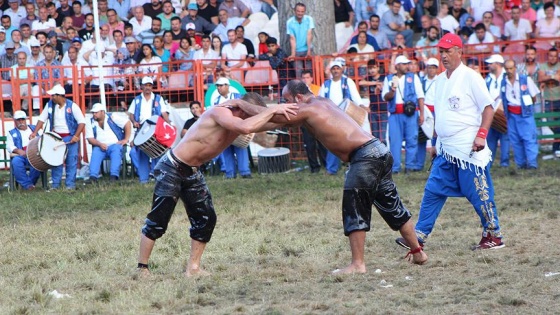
{"points": [[409, 108]]}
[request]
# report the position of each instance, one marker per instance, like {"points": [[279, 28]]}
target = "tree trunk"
{"points": [[324, 42]]}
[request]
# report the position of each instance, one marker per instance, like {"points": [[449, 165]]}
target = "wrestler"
{"points": [[369, 178], [178, 176]]}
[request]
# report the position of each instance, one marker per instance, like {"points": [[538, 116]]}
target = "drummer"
{"points": [[68, 122], [432, 70], [18, 138], [144, 106]]}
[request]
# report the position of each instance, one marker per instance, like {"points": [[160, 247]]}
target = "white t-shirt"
{"points": [[206, 58], [41, 26], [234, 53], [59, 120], [105, 135], [458, 109], [449, 23], [488, 38], [399, 93], [139, 27], [513, 92], [146, 107], [150, 67], [521, 32], [430, 93]]}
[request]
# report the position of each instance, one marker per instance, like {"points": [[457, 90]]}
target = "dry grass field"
{"points": [[276, 242]]}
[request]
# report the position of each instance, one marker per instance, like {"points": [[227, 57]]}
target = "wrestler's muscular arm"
{"points": [[275, 122], [487, 117], [252, 124]]}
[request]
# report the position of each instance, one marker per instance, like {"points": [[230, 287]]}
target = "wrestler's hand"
{"points": [[286, 110], [478, 144], [228, 103]]}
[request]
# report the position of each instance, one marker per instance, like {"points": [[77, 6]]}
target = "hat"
{"points": [[432, 62], [192, 6], [190, 26], [495, 58], [51, 34], [341, 60], [222, 81], [13, 1], [34, 43], [98, 107], [450, 40], [129, 39], [76, 40], [147, 80], [20, 115], [56, 90], [10, 45], [336, 63], [401, 60], [2, 29]]}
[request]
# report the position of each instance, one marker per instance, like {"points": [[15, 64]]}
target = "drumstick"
{"points": [[59, 145]]}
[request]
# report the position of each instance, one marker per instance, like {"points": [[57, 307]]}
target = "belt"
{"points": [[62, 135], [351, 155], [430, 107], [399, 109], [514, 109], [180, 165]]}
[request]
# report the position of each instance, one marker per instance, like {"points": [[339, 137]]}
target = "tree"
{"points": [[324, 42]]}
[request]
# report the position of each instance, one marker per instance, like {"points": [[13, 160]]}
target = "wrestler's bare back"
{"points": [[205, 139]]}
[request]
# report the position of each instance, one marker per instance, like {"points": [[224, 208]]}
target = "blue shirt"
{"points": [[122, 8], [299, 31], [45, 72]]}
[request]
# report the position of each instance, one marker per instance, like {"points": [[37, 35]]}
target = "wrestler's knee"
{"points": [[202, 227], [356, 211], [153, 230]]}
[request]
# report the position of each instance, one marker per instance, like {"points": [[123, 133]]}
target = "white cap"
{"points": [[98, 107], [222, 81], [495, 58], [401, 59], [34, 43], [147, 80], [336, 63], [57, 90], [190, 26], [432, 62], [20, 115]]}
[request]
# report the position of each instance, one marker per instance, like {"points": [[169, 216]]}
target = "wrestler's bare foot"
{"points": [[143, 273], [196, 272], [350, 269], [419, 258]]}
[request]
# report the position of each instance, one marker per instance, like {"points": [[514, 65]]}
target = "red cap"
{"points": [[450, 40]]}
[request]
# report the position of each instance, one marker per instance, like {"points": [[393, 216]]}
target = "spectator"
{"points": [[530, 67], [196, 111], [169, 44], [121, 6], [153, 8], [437, 23], [51, 9], [36, 54], [22, 76], [527, 12], [64, 9], [277, 58], [147, 36], [195, 39], [102, 8], [132, 48], [209, 58], [263, 48], [106, 59], [448, 22], [405, 99], [537, 4], [44, 23], [16, 39], [541, 12], [474, 64], [118, 42], [343, 13], [235, 8], [392, 23], [267, 7], [140, 22], [500, 15], [53, 41], [113, 22], [364, 9], [148, 63], [61, 32], [517, 28], [362, 46], [479, 7], [425, 23], [240, 37], [377, 105], [208, 12], [47, 76], [185, 53], [217, 45], [363, 27], [379, 35], [201, 25], [105, 35], [86, 33], [162, 53], [227, 23], [166, 15], [107, 135], [234, 53], [78, 18], [30, 15], [478, 41], [458, 12], [550, 25], [549, 79], [16, 145], [177, 31], [72, 61], [125, 80], [315, 151], [430, 40], [69, 126], [17, 13], [299, 28]]}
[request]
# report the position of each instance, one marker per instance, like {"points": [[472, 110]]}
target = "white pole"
{"points": [[98, 52]]}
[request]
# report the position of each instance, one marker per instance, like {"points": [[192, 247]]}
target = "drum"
{"points": [[242, 141], [146, 141], [426, 130], [46, 152], [355, 112], [500, 122], [274, 160]]}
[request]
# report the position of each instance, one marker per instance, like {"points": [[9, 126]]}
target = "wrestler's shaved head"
{"points": [[254, 98], [296, 87]]}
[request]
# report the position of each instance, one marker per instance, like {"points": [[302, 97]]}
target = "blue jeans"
{"points": [[229, 157], [19, 165], [449, 180], [492, 140], [71, 163], [378, 122], [114, 151], [402, 127], [141, 162], [522, 132], [332, 163]]}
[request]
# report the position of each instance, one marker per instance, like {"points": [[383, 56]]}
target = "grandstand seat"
{"points": [[261, 73], [6, 89], [177, 80], [343, 33]]}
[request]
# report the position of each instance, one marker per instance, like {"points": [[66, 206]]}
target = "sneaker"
{"points": [[402, 242], [490, 242]]}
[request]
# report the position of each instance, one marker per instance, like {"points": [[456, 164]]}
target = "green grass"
{"points": [[276, 241]]}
